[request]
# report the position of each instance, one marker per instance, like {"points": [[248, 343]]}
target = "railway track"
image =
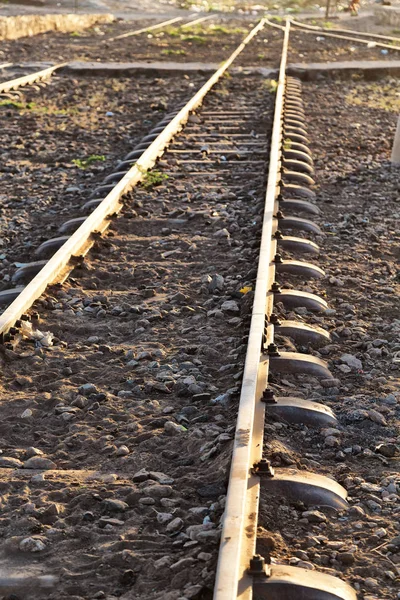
{"points": [[113, 466]]}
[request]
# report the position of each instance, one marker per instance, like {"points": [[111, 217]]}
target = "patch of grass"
{"points": [[75, 34], [84, 163], [226, 30], [17, 105], [152, 178], [197, 39], [271, 85], [171, 51]]}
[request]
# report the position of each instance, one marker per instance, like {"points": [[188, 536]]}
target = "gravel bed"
{"points": [[351, 131], [140, 390], [70, 120], [203, 43]]}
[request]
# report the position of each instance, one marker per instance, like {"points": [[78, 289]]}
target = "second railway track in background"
{"points": [[211, 199]]}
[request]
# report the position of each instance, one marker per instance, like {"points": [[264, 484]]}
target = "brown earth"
{"points": [[211, 42]]}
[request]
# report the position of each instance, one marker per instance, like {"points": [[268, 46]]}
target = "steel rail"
{"points": [[347, 37], [240, 521], [14, 84], [378, 36], [198, 21], [144, 29], [58, 267]]}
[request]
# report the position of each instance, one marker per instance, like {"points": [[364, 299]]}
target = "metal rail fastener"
{"points": [[42, 75]]}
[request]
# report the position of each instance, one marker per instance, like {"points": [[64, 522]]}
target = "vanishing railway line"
{"points": [[212, 162]]}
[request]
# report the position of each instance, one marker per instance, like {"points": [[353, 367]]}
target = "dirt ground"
{"points": [[213, 41]]}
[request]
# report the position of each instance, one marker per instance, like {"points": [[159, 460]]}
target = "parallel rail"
{"points": [[58, 267]]}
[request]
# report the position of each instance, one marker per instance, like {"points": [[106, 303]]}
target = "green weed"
{"points": [[271, 85], [151, 178], [17, 105], [84, 163]]}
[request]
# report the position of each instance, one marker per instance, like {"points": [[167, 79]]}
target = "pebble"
{"points": [[164, 517], [122, 451], [371, 583], [388, 450], [230, 306], [314, 516], [27, 414], [352, 361], [32, 544], [347, 558], [88, 388], [172, 428], [104, 521], [376, 417], [204, 556], [114, 505], [141, 475], [40, 463], [175, 525], [161, 477]]}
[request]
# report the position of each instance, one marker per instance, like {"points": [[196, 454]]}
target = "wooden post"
{"points": [[395, 158]]}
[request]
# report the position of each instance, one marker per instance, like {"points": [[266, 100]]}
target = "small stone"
{"points": [[230, 306], [7, 462], [376, 417], [183, 563], [314, 516], [88, 388], [32, 451], [161, 477], [330, 383], [331, 431], [32, 544], [164, 517], [27, 414], [115, 505], [388, 450], [147, 501], [103, 521], [352, 361], [122, 451], [356, 511], [331, 441], [40, 463], [141, 475], [346, 558], [204, 556], [381, 532], [222, 233], [172, 428], [371, 583], [175, 525]]}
